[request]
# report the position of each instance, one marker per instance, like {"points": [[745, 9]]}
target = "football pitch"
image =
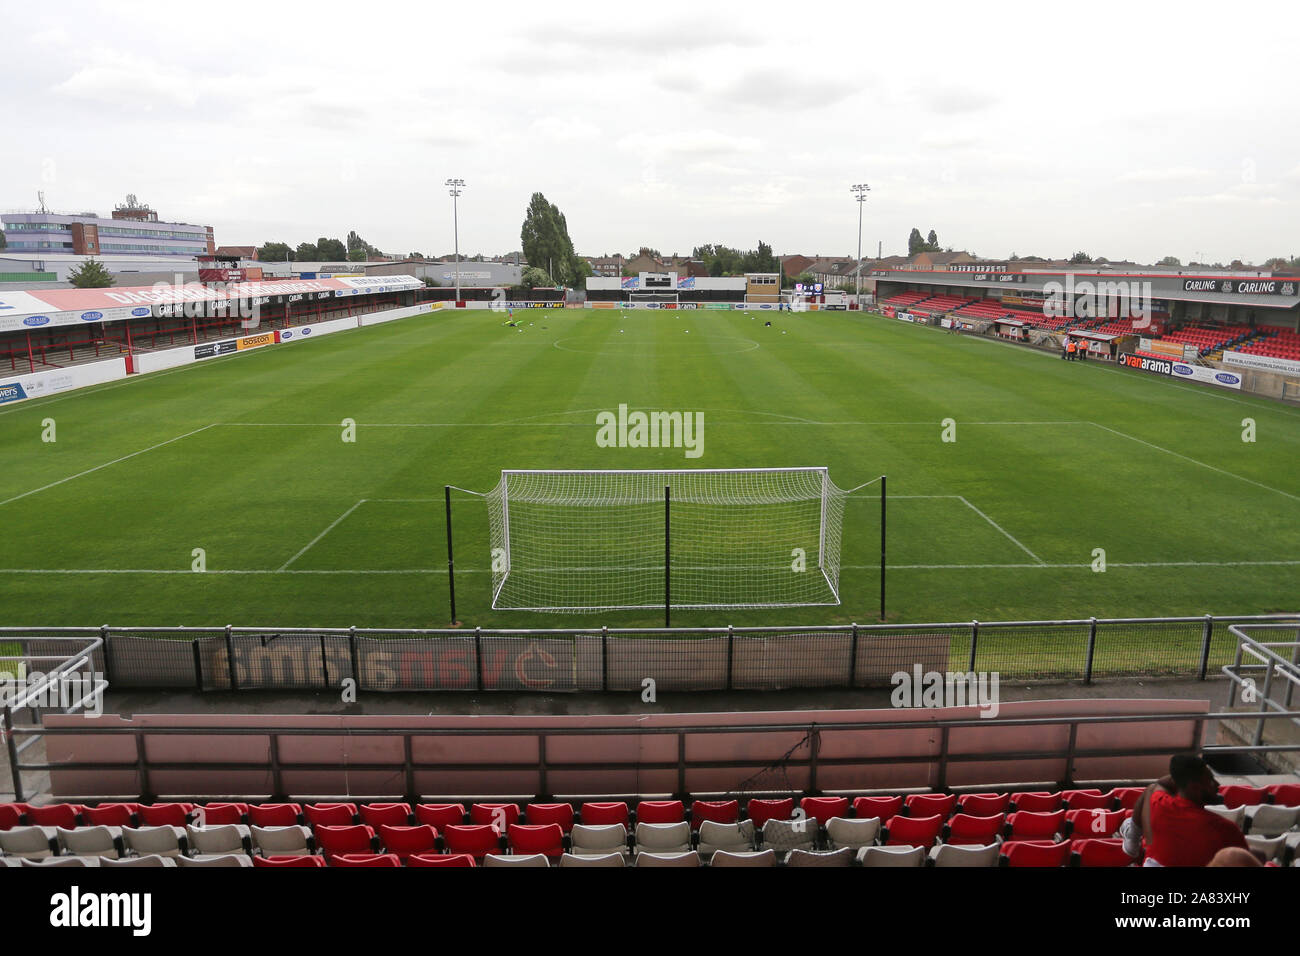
{"points": [[240, 466]]}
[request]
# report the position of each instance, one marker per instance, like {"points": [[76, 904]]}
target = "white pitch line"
{"points": [[536, 424], [1003, 530], [115, 461], [1249, 481], [334, 524]]}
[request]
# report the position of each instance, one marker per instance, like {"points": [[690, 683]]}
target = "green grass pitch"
{"points": [[243, 458]]}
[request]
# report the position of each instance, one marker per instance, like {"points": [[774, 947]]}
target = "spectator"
{"points": [[1172, 820]]}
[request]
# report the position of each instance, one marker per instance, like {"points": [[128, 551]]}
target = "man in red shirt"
{"points": [[1171, 815]]}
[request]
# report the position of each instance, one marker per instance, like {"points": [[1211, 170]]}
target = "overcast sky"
{"points": [[1129, 130]]}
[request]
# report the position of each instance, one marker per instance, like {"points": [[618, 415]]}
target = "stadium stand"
{"points": [[1015, 829], [1209, 339], [1273, 342]]}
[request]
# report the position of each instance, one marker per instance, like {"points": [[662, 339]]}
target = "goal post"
{"points": [[579, 541]]}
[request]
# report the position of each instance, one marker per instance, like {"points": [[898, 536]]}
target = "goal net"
{"points": [[602, 540]]}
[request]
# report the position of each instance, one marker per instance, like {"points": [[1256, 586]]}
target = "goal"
{"points": [[705, 538]]}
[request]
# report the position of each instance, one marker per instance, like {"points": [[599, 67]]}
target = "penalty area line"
{"points": [[310, 544], [88, 471]]}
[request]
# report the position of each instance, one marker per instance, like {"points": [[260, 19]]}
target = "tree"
{"points": [[358, 249], [932, 240], [915, 243], [331, 250], [415, 255], [91, 274], [534, 278], [430, 283], [306, 252], [761, 259], [3, 241], [546, 242], [274, 252], [1080, 258], [1170, 261]]}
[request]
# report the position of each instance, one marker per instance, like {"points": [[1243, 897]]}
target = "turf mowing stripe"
{"points": [[105, 465], [1249, 481], [334, 524]]}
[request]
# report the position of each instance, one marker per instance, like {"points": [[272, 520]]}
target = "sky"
{"points": [[1130, 131]]}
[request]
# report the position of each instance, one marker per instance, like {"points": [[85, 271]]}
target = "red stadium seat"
{"points": [[1030, 825], [914, 831], [441, 859], [822, 809], [883, 807], [1128, 796], [546, 838], [983, 804], [351, 838], [760, 811], [11, 815], [1285, 794], [1095, 824], [602, 814], [1087, 800], [221, 814], [557, 813], [1097, 853], [716, 811], [365, 859], [1034, 853], [408, 840], [439, 815], [499, 815], [274, 814], [1036, 802], [330, 814], [660, 811], [1239, 796], [164, 814], [110, 815], [964, 829], [380, 814], [478, 840], [64, 815], [928, 804], [288, 861]]}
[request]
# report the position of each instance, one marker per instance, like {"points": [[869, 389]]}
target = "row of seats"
{"points": [[180, 814], [1274, 342]]}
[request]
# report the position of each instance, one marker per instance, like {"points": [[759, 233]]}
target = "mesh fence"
{"points": [[683, 659]]}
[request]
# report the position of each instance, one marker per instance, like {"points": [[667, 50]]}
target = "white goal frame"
{"points": [[816, 487]]}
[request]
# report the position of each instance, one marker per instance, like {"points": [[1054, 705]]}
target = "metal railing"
{"points": [[604, 659], [532, 778], [1269, 664]]}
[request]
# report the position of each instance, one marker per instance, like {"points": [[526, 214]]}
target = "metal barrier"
{"points": [[1270, 664], [29, 687], [533, 776], [620, 659]]}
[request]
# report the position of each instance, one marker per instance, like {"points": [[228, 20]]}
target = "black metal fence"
{"points": [[623, 659]]}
